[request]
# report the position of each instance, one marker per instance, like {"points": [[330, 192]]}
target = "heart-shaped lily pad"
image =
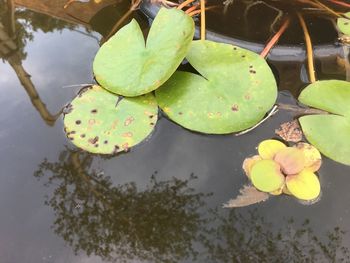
{"points": [[235, 91], [101, 122], [329, 133], [304, 185], [127, 66], [266, 176], [343, 24]]}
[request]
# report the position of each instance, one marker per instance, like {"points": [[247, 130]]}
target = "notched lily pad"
{"points": [[269, 148], [266, 176], [101, 122], [329, 133], [127, 66], [235, 90], [304, 186]]}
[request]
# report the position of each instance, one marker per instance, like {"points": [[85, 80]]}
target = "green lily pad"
{"points": [[127, 66], [304, 186], [234, 93], [266, 176], [343, 24], [329, 133], [101, 122]]}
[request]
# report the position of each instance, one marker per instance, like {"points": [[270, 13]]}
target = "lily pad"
{"points": [[312, 156], [101, 122], [266, 176], [268, 148], [343, 24], [291, 160], [304, 186], [235, 90], [249, 162], [127, 66], [329, 133]]}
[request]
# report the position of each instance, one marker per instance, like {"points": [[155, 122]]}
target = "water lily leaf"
{"points": [[343, 24], [235, 91], [268, 148], [304, 186], [127, 66], [249, 162], [312, 156], [329, 133], [101, 122], [291, 160], [249, 195], [266, 176]]}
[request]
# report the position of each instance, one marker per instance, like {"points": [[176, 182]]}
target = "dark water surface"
{"points": [[161, 202]]}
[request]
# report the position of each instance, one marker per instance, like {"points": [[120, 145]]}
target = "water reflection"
{"points": [[120, 222]]}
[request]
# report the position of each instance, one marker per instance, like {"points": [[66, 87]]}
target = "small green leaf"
{"points": [[268, 148], [343, 24], [127, 66], [304, 186], [329, 133], [101, 122], [234, 93], [266, 176]]}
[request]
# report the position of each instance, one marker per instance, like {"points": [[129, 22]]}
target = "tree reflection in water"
{"points": [[120, 222]]}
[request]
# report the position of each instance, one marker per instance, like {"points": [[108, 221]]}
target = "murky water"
{"points": [[161, 202]]}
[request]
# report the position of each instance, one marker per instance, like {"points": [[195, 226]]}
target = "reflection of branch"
{"points": [[299, 110], [28, 85]]}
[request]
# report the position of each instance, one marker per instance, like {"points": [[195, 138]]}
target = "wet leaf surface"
{"points": [[269, 148], [266, 176], [304, 186], [235, 90], [329, 133], [127, 66], [101, 122]]}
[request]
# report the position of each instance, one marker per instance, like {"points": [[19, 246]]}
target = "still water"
{"points": [[162, 201]]}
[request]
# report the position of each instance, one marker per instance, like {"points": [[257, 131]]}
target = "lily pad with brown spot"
{"points": [[234, 91], [101, 122]]}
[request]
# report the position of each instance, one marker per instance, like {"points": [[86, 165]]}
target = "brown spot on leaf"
{"points": [[78, 122], [252, 71], [94, 111], [128, 121], [116, 149], [234, 107], [92, 122], [82, 135], [105, 142], [93, 140], [127, 134], [126, 147], [247, 96], [180, 113]]}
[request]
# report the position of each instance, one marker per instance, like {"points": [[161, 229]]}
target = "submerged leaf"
{"points": [[304, 186], [234, 93], [267, 149], [329, 133], [101, 122], [266, 176], [249, 195], [127, 66], [291, 160]]}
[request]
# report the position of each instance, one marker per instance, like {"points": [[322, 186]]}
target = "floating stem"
{"points": [[275, 38], [310, 57], [202, 19]]}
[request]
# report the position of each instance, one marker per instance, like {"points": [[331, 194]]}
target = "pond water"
{"points": [[160, 202]]}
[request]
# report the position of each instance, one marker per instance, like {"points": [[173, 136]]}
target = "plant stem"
{"points": [[310, 58], [339, 3], [202, 19], [327, 8], [191, 9], [275, 38], [183, 4]]}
